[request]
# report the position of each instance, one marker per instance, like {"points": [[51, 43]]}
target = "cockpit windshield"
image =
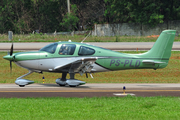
{"points": [[51, 48]]}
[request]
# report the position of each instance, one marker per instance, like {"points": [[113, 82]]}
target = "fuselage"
{"points": [[49, 57]]}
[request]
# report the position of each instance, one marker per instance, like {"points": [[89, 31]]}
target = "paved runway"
{"points": [[108, 45], [89, 90]]}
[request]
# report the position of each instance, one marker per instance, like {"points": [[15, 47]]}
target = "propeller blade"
{"points": [[11, 66], [11, 52]]}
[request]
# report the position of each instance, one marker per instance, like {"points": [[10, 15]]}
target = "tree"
{"points": [[15, 16], [70, 19], [139, 11], [50, 15], [90, 12], [47, 14], [117, 11]]}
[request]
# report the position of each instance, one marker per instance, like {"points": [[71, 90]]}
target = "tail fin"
{"points": [[163, 45]]}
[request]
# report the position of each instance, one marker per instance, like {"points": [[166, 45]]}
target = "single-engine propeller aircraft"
{"points": [[71, 57]]}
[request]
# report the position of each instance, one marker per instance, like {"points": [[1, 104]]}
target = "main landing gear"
{"points": [[71, 82]]}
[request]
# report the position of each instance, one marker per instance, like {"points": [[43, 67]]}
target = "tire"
{"points": [[21, 85], [72, 85], [61, 85]]}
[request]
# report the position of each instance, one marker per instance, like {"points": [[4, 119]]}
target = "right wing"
{"points": [[81, 65]]}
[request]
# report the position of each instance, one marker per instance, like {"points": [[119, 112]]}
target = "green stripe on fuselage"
{"points": [[121, 64]]}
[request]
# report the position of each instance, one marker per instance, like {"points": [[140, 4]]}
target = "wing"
{"points": [[81, 65], [151, 62]]}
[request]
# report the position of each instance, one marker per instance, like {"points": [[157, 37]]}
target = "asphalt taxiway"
{"points": [[89, 90]]}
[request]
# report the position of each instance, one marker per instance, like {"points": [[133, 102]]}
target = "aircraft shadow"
{"points": [[56, 85]]}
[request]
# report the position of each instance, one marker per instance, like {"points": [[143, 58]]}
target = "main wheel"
{"points": [[61, 85], [72, 85], [21, 85]]}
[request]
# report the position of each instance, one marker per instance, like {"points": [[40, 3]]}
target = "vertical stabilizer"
{"points": [[163, 45]]}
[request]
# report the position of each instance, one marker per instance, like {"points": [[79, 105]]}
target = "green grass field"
{"points": [[114, 108], [78, 38], [170, 74]]}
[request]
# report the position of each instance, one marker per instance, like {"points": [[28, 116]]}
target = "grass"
{"points": [[170, 74], [78, 38], [104, 108]]}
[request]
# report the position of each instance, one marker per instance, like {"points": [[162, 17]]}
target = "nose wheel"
{"points": [[22, 82]]}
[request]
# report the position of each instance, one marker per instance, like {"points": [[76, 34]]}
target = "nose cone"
{"points": [[8, 57]]}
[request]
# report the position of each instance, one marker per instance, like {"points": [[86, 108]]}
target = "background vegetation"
{"points": [[25, 16]]}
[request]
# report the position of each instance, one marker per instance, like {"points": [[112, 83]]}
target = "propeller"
{"points": [[11, 53], [11, 66]]}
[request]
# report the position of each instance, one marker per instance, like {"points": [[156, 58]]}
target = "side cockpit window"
{"points": [[51, 48], [67, 49], [85, 51]]}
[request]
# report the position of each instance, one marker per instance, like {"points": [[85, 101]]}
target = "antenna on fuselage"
{"points": [[85, 37]]}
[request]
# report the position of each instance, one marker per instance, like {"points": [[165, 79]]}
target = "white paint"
{"points": [[122, 94]]}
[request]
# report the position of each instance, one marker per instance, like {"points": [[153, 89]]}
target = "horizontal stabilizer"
{"points": [[151, 62]]}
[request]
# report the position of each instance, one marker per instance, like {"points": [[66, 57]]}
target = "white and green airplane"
{"points": [[71, 57]]}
